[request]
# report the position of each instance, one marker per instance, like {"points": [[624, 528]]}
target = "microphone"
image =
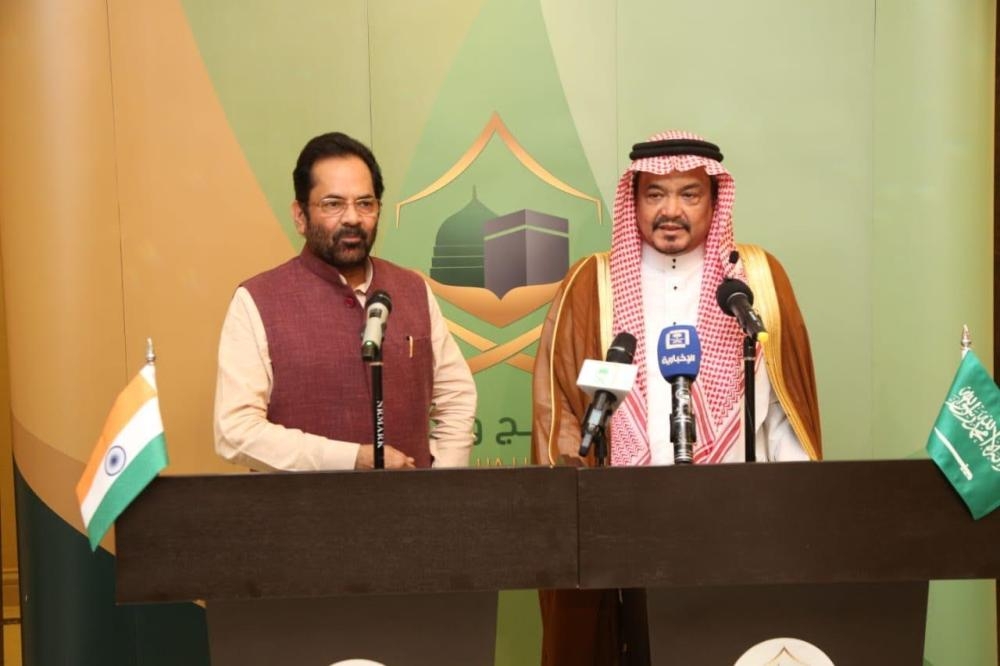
{"points": [[736, 300], [376, 315], [679, 354], [607, 382]]}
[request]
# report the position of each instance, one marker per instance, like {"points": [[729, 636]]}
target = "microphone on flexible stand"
{"points": [[607, 382], [679, 357], [736, 300]]}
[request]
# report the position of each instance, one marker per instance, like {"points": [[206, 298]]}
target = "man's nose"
{"points": [[670, 208], [351, 216]]}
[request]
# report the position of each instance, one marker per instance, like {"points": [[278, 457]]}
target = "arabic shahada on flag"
{"points": [[129, 454], [965, 440]]}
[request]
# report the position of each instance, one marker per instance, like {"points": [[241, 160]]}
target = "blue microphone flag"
{"points": [[679, 352]]}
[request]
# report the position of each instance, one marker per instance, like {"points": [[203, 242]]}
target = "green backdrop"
{"points": [[859, 134]]}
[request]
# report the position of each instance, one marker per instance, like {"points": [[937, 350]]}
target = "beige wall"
{"points": [[143, 186], [8, 526], [60, 238]]}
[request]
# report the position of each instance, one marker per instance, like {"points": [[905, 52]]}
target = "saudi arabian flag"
{"points": [[129, 454], [965, 441]]}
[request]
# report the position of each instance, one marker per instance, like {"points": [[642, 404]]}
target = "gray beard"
{"points": [[328, 248]]}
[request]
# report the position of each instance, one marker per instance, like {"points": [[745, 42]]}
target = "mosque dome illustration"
{"points": [[458, 250]]}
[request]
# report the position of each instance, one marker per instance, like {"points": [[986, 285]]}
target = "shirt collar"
{"points": [[656, 261], [363, 287]]}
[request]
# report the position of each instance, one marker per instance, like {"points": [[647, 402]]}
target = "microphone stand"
{"points": [[749, 412], [378, 415], [682, 421], [594, 438], [600, 447]]}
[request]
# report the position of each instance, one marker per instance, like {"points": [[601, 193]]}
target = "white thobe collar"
{"points": [[671, 290], [678, 264]]}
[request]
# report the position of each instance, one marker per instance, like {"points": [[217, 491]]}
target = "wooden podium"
{"points": [[400, 567], [403, 567], [835, 553]]}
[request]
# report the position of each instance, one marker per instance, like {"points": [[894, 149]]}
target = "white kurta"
{"points": [[671, 287]]}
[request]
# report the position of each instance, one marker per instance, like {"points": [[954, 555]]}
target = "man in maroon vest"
{"points": [[293, 392]]}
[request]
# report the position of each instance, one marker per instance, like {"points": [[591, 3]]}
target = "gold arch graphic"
{"points": [[481, 303], [492, 353], [485, 306], [496, 126]]}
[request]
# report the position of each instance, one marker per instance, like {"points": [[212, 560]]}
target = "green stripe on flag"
{"points": [[127, 486]]}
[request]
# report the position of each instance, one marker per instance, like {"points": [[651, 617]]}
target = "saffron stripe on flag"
{"points": [[137, 433], [139, 391], [128, 484]]}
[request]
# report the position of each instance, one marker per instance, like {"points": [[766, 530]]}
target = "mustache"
{"points": [[349, 232], [677, 222]]}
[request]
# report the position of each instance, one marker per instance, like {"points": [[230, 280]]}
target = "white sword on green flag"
{"points": [[966, 470]]}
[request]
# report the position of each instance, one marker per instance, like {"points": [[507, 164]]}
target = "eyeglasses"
{"points": [[336, 208]]}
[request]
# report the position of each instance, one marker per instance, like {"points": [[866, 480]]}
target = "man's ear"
{"points": [[300, 217]]}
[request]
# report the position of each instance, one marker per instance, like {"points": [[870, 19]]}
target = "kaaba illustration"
{"points": [[475, 248], [525, 247]]}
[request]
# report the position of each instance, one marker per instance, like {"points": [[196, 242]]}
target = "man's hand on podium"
{"points": [[394, 458]]}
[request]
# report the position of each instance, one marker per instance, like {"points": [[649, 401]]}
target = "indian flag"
{"points": [[129, 454]]}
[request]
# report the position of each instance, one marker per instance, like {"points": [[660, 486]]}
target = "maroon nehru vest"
{"points": [[321, 386]]}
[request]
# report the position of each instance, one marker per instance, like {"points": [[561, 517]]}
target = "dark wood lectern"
{"points": [[403, 567], [836, 553]]}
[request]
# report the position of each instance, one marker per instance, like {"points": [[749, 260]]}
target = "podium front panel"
{"points": [[254, 536], [776, 523], [412, 629], [861, 624]]}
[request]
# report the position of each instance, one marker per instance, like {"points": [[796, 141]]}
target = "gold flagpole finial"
{"points": [[150, 354], [966, 340]]}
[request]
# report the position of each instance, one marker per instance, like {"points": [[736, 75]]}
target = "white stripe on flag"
{"points": [[964, 466], [148, 373], [139, 431]]}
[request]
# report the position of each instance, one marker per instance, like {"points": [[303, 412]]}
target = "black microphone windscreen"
{"points": [[379, 297], [622, 348], [729, 288]]}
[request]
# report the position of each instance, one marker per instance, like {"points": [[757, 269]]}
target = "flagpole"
{"points": [[966, 340], [130, 452]]}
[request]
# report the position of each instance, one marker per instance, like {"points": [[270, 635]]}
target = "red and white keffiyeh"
{"points": [[718, 389]]}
